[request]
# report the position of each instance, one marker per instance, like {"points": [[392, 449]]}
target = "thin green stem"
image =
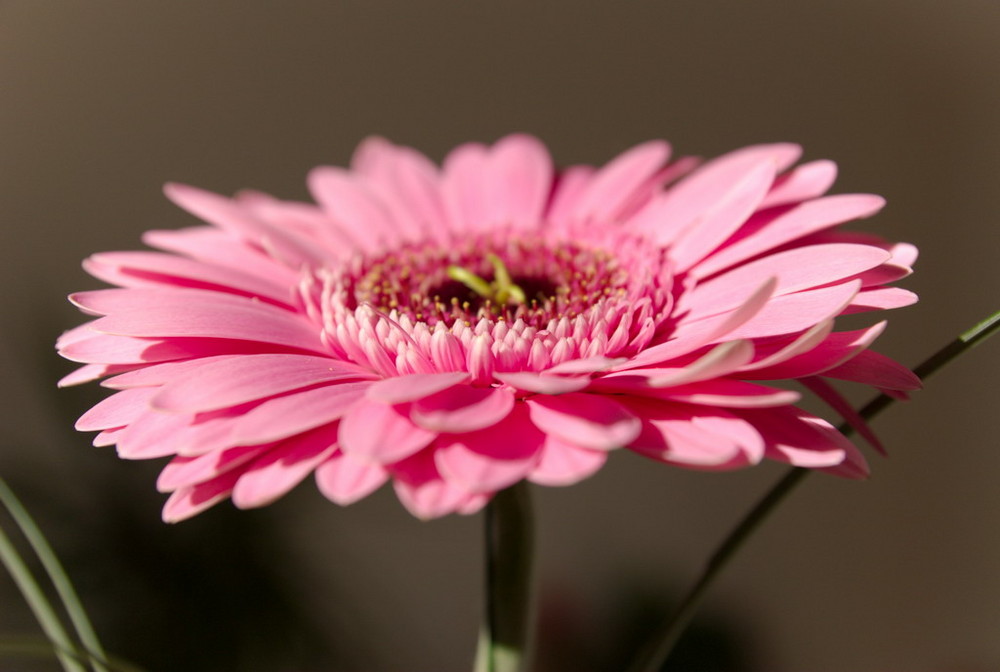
{"points": [[509, 533], [57, 575], [13, 648], [39, 605], [655, 653]]}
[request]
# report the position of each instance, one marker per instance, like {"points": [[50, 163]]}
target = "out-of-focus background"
{"points": [[103, 101]]}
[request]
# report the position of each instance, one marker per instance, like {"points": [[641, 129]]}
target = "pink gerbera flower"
{"points": [[457, 330]]}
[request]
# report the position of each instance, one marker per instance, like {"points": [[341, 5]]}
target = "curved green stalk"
{"points": [[655, 653], [54, 569], [64, 648]]}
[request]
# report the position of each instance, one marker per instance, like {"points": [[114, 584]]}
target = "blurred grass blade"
{"points": [[57, 575], [39, 648], [39, 605]]}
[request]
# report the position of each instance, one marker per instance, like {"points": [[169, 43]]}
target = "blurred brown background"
{"points": [[103, 101]]}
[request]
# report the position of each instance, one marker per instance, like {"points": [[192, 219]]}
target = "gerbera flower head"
{"points": [[455, 330]]}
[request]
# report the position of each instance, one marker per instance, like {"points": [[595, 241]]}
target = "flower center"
{"points": [[501, 292], [497, 279]]}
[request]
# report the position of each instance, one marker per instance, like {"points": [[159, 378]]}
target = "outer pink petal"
{"points": [[777, 227], [727, 393], [221, 248], [117, 410], [382, 433], [194, 313], [426, 494], [519, 180], [615, 185], [561, 463], [706, 438], [91, 372], [232, 381], [463, 188], [801, 439], [284, 246], [345, 480], [838, 403], [282, 468], [586, 420], [184, 472], [491, 459], [462, 409], [796, 270], [872, 368], [190, 501], [802, 183], [883, 298], [153, 268], [286, 416], [691, 337], [730, 194], [796, 312]]}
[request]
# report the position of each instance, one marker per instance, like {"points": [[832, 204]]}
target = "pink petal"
{"points": [[778, 227], [183, 472], [491, 459], [426, 494], [526, 381], [796, 270], [615, 185], [352, 206], [89, 373], [803, 440], [237, 380], [795, 312], [382, 433], [585, 420], [117, 410], [286, 416], [518, 181], [153, 268], [462, 409], [561, 463], [125, 350], [463, 188], [695, 437], [726, 393], [282, 468], [220, 248], [728, 194], [882, 298], [693, 336], [195, 313], [838, 403], [345, 480], [877, 370], [190, 501], [570, 184], [793, 361], [228, 215], [401, 389], [719, 361], [802, 183]]}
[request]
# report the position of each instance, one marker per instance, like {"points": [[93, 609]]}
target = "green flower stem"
{"points": [[509, 541], [57, 575], [655, 653]]}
